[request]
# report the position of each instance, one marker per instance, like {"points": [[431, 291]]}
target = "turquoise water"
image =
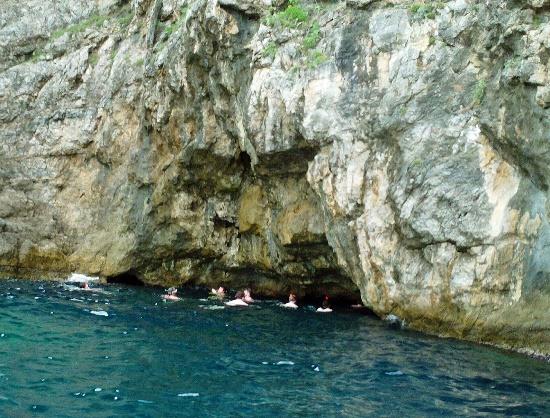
{"points": [[154, 359]]}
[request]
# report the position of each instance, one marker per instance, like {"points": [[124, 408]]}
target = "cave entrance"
{"points": [[129, 277], [339, 296]]}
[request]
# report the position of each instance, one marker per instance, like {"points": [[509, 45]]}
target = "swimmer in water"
{"points": [[291, 301], [238, 301], [247, 297], [325, 307], [84, 286], [219, 293], [171, 294]]}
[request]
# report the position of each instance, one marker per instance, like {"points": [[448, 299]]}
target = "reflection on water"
{"points": [[148, 358]]}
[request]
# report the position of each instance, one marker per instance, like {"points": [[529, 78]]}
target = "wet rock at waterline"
{"points": [[387, 146]]}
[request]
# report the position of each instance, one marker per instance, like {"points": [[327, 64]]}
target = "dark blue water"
{"points": [[155, 359]]}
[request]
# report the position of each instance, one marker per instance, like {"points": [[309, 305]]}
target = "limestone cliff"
{"points": [[397, 147]]}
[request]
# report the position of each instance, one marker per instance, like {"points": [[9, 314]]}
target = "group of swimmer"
{"points": [[244, 298]]}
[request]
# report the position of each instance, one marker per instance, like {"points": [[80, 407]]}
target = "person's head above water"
{"points": [[219, 292], [325, 303], [247, 293], [172, 291], [84, 285], [239, 295], [292, 297]]}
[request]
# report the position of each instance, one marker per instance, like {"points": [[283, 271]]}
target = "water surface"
{"points": [[149, 358]]}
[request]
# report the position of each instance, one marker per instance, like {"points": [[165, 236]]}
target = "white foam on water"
{"points": [[395, 373], [72, 287], [99, 313], [190, 394], [76, 300], [284, 362], [265, 362], [316, 369], [98, 390], [98, 290], [144, 401], [211, 307], [81, 278]]}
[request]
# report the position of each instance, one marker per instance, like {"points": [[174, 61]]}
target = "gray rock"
{"points": [[359, 3], [254, 7]]}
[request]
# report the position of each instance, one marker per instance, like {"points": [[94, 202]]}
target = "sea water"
{"points": [[142, 357]]}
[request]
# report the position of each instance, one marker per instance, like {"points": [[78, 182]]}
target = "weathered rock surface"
{"points": [[395, 147]]}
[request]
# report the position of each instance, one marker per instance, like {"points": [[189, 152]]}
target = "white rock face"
{"points": [[361, 145]]}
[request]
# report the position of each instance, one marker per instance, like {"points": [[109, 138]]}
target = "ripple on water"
{"points": [[100, 313], [284, 363]]}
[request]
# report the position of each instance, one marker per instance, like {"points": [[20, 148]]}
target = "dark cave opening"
{"points": [[245, 161], [337, 298], [311, 290], [129, 277]]}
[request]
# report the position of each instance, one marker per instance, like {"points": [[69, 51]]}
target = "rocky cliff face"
{"points": [[396, 147]]}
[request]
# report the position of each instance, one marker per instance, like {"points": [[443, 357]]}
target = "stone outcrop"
{"points": [[399, 148]]}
